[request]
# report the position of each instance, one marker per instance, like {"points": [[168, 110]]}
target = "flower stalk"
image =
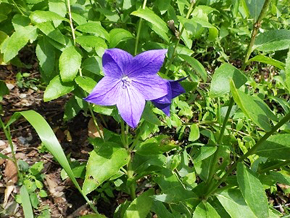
{"points": [[139, 30]]}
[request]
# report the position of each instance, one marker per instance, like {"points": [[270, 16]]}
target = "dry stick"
{"points": [[250, 152]]}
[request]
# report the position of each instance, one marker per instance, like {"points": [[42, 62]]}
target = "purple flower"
{"points": [[164, 102], [130, 81]]}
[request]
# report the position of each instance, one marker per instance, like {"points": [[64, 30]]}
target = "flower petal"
{"points": [[148, 62], [115, 62], [106, 92], [131, 105], [176, 88], [151, 86]]}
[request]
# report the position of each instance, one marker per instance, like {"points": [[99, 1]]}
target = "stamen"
{"points": [[126, 81]]}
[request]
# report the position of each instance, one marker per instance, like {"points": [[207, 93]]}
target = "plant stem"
{"points": [[255, 30], [70, 21], [178, 39], [95, 122], [130, 174], [139, 30], [8, 136], [215, 157], [275, 166], [250, 152]]}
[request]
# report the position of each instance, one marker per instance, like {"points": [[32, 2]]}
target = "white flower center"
{"points": [[126, 81]]}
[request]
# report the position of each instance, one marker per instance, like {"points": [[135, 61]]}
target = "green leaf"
{"points": [[273, 40], [234, 203], [45, 53], [268, 60], [204, 209], [3, 89], [92, 64], [44, 16], [276, 147], [59, 7], [255, 8], [160, 209], [104, 162], [73, 107], [91, 41], [158, 25], [220, 84], [20, 21], [86, 83], [140, 207], [118, 35], [11, 46], [252, 107], [69, 64], [57, 88], [94, 28], [252, 191], [26, 204], [287, 71], [49, 30], [196, 65], [194, 133]]}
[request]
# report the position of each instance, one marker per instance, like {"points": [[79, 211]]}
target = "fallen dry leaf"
{"points": [[11, 172]]}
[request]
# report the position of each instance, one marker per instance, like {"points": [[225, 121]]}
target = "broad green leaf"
{"points": [[194, 133], [257, 112], [118, 35], [73, 107], [149, 116], [276, 147], [44, 16], [20, 21], [91, 41], [45, 53], [56, 88], [204, 209], [94, 28], [11, 46], [92, 64], [160, 210], [158, 25], [252, 191], [234, 203], [49, 30], [255, 7], [59, 7], [112, 16], [104, 162], [287, 71], [204, 152], [196, 65], [268, 60], [282, 177], [273, 40], [69, 64], [140, 207], [220, 84], [86, 83], [25, 201], [155, 145]]}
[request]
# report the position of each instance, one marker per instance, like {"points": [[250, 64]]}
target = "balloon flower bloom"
{"points": [[131, 81]]}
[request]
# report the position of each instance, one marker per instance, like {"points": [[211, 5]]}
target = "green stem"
{"points": [[250, 152], [130, 174], [215, 157], [139, 30], [255, 30], [8, 136], [178, 39], [275, 166], [17, 7], [70, 21], [95, 122]]}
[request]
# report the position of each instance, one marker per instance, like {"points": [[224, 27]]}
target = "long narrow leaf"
{"points": [[26, 204], [50, 141]]}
